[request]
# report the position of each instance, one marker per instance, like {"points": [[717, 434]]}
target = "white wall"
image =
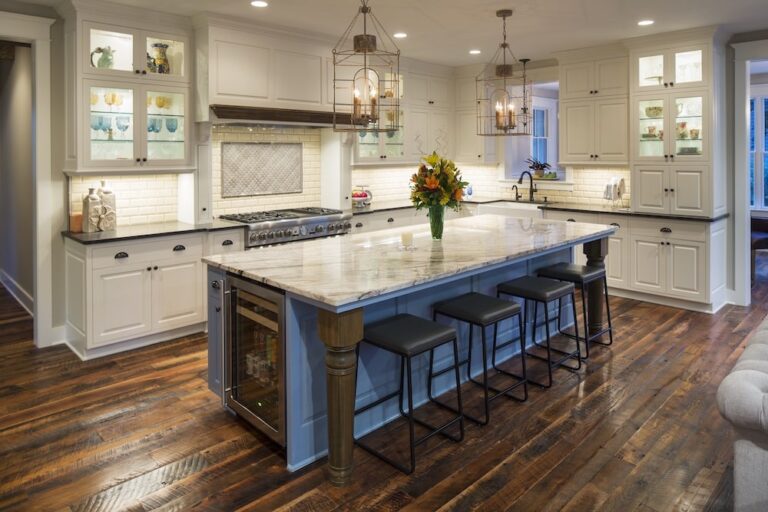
{"points": [[16, 174]]}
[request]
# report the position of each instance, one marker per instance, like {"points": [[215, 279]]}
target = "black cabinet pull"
{"points": [[390, 219], [179, 248], [121, 255], [665, 230], [225, 243], [571, 220], [359, 225], [615, 224]]}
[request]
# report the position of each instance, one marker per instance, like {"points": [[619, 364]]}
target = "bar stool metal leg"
{"points": [[608, 317]]}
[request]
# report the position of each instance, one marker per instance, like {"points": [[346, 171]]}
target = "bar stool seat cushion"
{"points": [[477, 308], [408, 335], [541, 289], [572, 273]]}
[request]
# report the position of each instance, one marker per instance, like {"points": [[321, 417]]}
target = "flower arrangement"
{"points": [[437, 183]]}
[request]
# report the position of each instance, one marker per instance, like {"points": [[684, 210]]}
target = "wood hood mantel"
{"points": [[278, 115]]}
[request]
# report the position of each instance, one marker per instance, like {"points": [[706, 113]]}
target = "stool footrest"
{"points": [[560, 363], [379, 401]]}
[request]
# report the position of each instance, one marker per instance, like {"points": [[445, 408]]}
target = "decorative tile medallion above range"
{"points": [[259, 168]]}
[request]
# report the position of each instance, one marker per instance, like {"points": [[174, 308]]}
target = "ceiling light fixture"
{"points": [[399, 35], [502, 94], [475, 52], [259, 3], [366, 77], [645, 23]]}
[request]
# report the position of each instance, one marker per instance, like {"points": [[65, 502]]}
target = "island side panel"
{"points": [[307, 432], [596, 251]]}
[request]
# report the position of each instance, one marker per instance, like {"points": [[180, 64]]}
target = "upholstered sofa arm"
{"points": [[743, 398]]}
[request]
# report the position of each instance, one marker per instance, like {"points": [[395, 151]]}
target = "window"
{"points": [[541, 145], [539, 132], [758, 150]]}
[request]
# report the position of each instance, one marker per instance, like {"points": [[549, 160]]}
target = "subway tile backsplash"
{"points": [[140, 199]]}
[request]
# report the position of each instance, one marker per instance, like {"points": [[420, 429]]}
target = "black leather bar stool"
{"points": [[581, 276], [544, 291], [408, 336], [482, 311]]}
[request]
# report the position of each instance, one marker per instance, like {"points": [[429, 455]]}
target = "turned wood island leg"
{"points": [[340, 332], [596, 251]]}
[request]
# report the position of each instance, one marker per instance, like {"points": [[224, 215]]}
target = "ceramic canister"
{"points": [[108, 221], [91, 211]]}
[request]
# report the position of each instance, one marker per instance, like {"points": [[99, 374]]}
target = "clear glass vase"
{"points": [[436, 220]]}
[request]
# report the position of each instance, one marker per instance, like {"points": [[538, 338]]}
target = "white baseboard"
{"points": [[22, 296], [116, 348]]}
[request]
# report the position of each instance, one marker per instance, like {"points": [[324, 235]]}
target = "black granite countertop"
{"points": [[383, 206], [136, 231], [598, 208]]}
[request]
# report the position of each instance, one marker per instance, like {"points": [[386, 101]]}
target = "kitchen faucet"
{"points": [[532, 187], [517, 193]]}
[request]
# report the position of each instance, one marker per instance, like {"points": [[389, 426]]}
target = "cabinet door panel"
{"points": [[417, 92], [686, 275], [648, 190], [647, 265], [113, 125], [122, 307], [438, 91], [577, 132], [298, 77], [690, 67], [176, 295], [611, 77], [576, 80], [616, 262], [468, 144], [416, 133], [466, 93], [611, 130], [249, 63], [648, 70], [688, 191], [439, 134]]}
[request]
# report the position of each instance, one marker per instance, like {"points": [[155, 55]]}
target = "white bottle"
{"points": [[91, 211], [109, 207]]}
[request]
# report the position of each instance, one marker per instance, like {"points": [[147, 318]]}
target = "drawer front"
{"points": [[621, 222], [223, 242], [166, 248], [671, 228], [590, 218]]}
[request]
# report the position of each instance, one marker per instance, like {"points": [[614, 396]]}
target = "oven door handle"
{"points": [[227, 331]]}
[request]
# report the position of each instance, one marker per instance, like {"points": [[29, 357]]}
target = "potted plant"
{"points": [[437, 184], [538, 167]]}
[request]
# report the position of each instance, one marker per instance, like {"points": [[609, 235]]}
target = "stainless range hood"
{"points": [[240, 114]]}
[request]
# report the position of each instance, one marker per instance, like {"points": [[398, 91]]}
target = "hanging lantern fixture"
{"points": [[503, 96], [366, 77]]}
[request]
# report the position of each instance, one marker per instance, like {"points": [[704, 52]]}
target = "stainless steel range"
{"points": [[280, 226]]}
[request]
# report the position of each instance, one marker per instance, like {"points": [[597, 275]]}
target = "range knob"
{"points": [[253, 237], [319, 229], [331, 227], [339, 226], [295, 231], [347, 225], [303, 231], [271, 235], [262, 236]]}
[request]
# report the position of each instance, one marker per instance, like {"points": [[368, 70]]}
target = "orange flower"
{"points": [[458, 194], [432, 183]]}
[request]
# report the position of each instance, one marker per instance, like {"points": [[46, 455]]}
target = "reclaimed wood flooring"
{"points": [[637, 429]]}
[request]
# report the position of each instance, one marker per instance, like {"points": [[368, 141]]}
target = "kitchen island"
{"points": [[333, 286]]}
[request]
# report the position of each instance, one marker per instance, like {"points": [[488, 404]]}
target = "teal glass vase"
{"points": [[436, 221]]}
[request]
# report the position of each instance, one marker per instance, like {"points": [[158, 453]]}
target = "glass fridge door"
{"points": [[255, 380]]}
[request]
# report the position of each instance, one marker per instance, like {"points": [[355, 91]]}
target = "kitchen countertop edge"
{"points": [[565, 207], [139, 231]]}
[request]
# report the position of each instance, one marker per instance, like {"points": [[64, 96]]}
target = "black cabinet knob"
{"points": [[154, 268], [215, 285], [144, 159], [671, 84], [218, 309], [138, 71], [390, 219], [666, 84], [671, 190], [359, 225], [143, 71], [149, 269], [138, 160], [666, 190]]}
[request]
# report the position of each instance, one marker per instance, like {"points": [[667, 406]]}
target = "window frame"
{"points": [[758, 154]]}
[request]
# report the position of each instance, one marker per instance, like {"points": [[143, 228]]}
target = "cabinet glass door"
{"points": [[109, 50], [689, 126], [650, 129], [165, 125], [111, 118], [367, 145], [394, 140], [165, 57], [650, 71], [688, 67]]}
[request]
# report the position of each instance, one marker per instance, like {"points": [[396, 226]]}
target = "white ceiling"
{"points": [[444, 30]]}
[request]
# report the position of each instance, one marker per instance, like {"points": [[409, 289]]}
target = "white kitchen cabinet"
{"points": [[383, 147], [426, 90], [119, 52], [466, 93], [120, 307], [135, 127], [471, 147], [685, 66], [671, 189], [648, 264], [133, 292], [594, 132], [594, 79], [428, 130], [686, 275], [617, 263]]}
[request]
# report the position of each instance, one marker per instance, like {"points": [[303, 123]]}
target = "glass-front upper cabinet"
{"points": [[650, 121], [691, 137], [670, 69], [382, 146], [116, 51], [166, 140], [671, 128], [112, 126]]}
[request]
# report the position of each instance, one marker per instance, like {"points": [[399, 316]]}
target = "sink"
{"points": [[512, 208]]}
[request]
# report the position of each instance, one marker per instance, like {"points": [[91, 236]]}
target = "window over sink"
{"points": [[758, 147]]}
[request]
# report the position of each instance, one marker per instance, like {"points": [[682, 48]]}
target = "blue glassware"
{"points": [[123, 123], [95, 123], [171, 124], [105, 122], [154, 125]]}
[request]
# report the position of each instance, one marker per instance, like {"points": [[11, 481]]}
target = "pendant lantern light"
{"points": [[503, 95], [366, 77]]}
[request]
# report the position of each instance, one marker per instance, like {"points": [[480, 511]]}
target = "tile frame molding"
{"points": [[743, 54], [36, 31]]}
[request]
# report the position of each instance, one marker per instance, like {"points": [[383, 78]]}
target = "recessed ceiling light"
{"points": [[399, 35], [259, 3], [475, 52], [645, 23]]}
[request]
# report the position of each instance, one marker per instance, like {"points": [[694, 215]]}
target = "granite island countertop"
{"points": [[337, 272], [602, 208], [382, 206], [136, 231]]}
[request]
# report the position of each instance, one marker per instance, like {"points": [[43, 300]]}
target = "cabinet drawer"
{"points": [[128, 253], [590, 218], [678, 229], [619, 221], [222, 242]]}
